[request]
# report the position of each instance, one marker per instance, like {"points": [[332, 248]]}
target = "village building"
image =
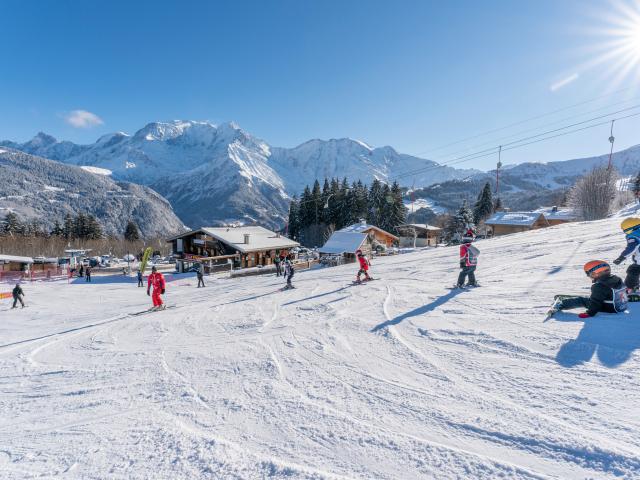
{"points": [[557, 216], [13, 267], [240, 247], [504, 223], [414, 235], [377, 234], [342, 246]]}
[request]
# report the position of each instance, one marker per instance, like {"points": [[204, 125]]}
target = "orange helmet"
{"points": [[596, 268]]}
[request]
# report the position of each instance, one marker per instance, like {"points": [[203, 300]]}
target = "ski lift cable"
{"points": [[526, 120], [515, 142], [522, 132], [513, 147]]}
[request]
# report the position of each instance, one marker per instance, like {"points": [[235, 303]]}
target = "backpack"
{"points": [[472, 255], [620, 299]]}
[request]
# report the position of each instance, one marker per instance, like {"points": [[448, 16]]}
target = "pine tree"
{"points": [[375, 203], [497, 206], [398, 213], [305, 209], [57, 230], [484, 206], [361, 203], [68, 229], [636, 186], [93, 228], [80, 226], [385, 208], [131, 233], [293, 225], [316, 198], [459, 223], [12, 225]]}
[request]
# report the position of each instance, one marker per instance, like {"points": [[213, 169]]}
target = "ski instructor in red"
{"points": [[157, 280]]}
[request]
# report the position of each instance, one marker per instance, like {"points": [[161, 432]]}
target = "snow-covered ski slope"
{"points": [[397, 379]]}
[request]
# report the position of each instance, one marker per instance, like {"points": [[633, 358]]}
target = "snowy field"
{"points": [[397, 379]]}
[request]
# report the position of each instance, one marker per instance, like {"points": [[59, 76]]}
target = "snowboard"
{"points": [[287, 288]]}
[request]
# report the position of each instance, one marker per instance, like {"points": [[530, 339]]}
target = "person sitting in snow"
{"points": [[468, 262], [364, 266], [608, 293], [631, 228]]}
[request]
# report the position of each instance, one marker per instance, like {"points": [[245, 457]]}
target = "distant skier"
{"points": [[608, 293], [157, 280], [289, 271], [631, 228], [17, 294], [140, 279], [364, 266], [200, 276], [81, 271], [87, 274], [468, 262], [278, 263]]}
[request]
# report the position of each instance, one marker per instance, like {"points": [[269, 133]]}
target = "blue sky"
{"points": [[411, 74]]}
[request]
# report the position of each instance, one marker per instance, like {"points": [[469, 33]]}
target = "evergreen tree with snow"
{"points": [[131, 233], [497, 206], [484, 206], [636, 186], [68, 229], [316, 199], [398, 213], [459, 223], [375, 203], [305, 212], [12, 225], [57, 230], [93, 228]]}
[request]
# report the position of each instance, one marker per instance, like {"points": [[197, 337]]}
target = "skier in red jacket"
{"points": [[364, 266], [157, 280], [468, 262]]}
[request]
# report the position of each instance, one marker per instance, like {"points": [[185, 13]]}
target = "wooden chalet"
{"points": [[242, 247], [557, 216], [414, 235], [345, 244], [504, 223], [377, 234]]}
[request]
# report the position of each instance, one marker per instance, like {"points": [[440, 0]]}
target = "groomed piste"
{"points": [[400, 378]]}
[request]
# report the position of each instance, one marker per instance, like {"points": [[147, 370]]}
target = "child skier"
{"points": [[608, 293], [631, 228], [468, 262], [17, 293], [289, 271], [364, 266], [157, 280]]}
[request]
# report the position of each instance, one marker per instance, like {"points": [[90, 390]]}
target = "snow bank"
{"points": [[96, 170], [398, 378]]}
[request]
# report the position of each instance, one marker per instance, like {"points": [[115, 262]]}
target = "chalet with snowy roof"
{"points": [[377, 234], [13, 267], [504, 223], [343, 246], [556, 215], [243, 247], [414, 235]]}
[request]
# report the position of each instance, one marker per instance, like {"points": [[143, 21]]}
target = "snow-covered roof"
{"points": [[259, 238], [15, 258], [514, 218], [344, 242], [421, 226], [364, 227], [554, 213]]}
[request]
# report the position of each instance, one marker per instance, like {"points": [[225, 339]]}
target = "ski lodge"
{"points": [[414, 235], [221, 247], [557, 216], [341, 247], [13, 267]]}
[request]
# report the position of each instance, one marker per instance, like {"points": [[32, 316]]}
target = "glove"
{"points": [[618, 260], [162, 291], [584, 315], [463, 264], [148, 292]]}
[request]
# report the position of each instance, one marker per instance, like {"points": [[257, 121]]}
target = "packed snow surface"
{"points": [[96, 170], [399, 378]]}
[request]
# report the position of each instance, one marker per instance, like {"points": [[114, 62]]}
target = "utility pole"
{"points": [[498, 167], [611, 140]]}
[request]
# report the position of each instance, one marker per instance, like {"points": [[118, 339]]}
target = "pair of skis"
{"points": [[152, 310]]}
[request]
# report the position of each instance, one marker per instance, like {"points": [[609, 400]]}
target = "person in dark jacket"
{"points": [[17, 293], [140, 279], [81, 271], [468, 262], [608, 292], [278, 263], [200, 276], [87, 273]]}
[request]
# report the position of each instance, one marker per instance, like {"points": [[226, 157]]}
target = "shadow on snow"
{"points": [[612, 337], [418, 311]]}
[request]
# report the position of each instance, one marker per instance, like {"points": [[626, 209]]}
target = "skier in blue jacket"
{"points": [[631, 228]]}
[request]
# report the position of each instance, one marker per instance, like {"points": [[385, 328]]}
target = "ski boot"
{"points": [[472, 285]]}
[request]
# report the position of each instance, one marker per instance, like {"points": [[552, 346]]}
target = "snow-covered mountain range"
{"points": [[215, 174], [46, 190]]}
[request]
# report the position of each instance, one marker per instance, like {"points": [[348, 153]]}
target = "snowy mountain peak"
{"points": [[42, 140]]}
